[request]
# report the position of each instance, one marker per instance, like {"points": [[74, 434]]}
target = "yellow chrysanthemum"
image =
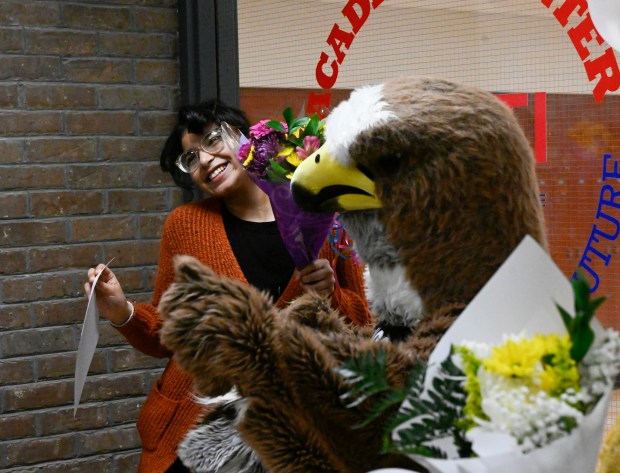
{"points": [[250, 157], [560, 370], [554, 380], [285, 152], [516, 358], [294, 159], [554, 343], [549, 379]]}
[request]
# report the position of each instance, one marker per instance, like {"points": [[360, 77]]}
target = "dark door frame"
{"points": [[208, 56], [208, 51]]}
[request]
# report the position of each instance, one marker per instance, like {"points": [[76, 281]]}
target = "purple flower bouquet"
{"points": [[270, 156]]}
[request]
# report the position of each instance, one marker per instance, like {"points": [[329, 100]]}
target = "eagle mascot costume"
{"points": [[437, 186]]}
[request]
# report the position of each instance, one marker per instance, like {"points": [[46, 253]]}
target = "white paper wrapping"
{"points": [[521, 298]]}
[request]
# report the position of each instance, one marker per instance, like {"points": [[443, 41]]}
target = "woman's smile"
{"points": [[217, 172]]}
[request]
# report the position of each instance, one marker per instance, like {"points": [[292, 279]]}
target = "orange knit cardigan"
{"points": [[197, 229]]}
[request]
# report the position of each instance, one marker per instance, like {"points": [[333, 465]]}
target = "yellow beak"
{"points": [[321, 184]]}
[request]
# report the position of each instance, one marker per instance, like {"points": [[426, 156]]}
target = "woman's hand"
{"points": [[111, 300], [319, 277]]}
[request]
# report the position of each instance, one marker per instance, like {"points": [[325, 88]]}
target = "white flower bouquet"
{"points": [[519, 383]]}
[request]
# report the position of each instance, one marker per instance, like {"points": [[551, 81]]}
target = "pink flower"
{"points": [[261, 129], [244, 151], [311, 144]]}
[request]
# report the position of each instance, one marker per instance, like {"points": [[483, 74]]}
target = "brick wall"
{"points": [[88, 91]]}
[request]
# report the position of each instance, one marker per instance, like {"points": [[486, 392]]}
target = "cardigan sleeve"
{"points": [[142, 331], [349, 295]]}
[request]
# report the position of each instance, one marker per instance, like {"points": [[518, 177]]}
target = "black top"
{"points": [[260, 252]]}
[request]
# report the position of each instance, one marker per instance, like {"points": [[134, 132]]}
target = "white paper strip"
{"points": [[88, 343]]}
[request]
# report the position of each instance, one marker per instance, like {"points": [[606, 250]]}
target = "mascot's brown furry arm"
{"points": [[437, 184]]}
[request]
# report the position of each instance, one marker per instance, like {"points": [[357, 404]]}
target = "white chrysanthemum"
{"points": [[480, 350]]}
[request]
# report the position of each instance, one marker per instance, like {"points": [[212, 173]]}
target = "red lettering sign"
{"points": [[603, 68], [357, 12]]}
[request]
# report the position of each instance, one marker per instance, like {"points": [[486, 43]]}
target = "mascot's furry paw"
{"points": [[227, 334], [221, 330]]}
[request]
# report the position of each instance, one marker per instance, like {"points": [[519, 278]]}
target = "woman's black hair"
{"points": [[194, 119]]}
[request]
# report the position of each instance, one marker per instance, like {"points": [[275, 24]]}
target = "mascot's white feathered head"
{"points": [[450, 176]]}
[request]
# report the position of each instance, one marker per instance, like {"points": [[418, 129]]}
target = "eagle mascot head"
{"points": [[437, 186]]}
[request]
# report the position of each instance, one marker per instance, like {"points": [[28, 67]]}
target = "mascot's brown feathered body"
{"points": [[437, 184]]}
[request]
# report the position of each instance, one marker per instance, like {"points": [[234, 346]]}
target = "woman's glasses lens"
{"points": [[188, 161], [212, 141]]}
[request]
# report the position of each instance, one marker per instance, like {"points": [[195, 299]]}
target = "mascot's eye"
{"points": [[317, 158], [391, 162], [366, 172]]}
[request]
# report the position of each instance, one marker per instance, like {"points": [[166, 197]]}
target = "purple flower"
{"points": [[264, 149], [311, 144]]}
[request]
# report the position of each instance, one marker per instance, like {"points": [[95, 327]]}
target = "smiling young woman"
{"points": [[232, 230], [217, 173]]}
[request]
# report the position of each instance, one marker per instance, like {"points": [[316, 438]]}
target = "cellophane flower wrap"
{"points": [[270, 156], [520, 383]]}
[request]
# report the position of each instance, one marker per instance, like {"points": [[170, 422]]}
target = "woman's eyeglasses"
{"points": [[210, 143]]}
